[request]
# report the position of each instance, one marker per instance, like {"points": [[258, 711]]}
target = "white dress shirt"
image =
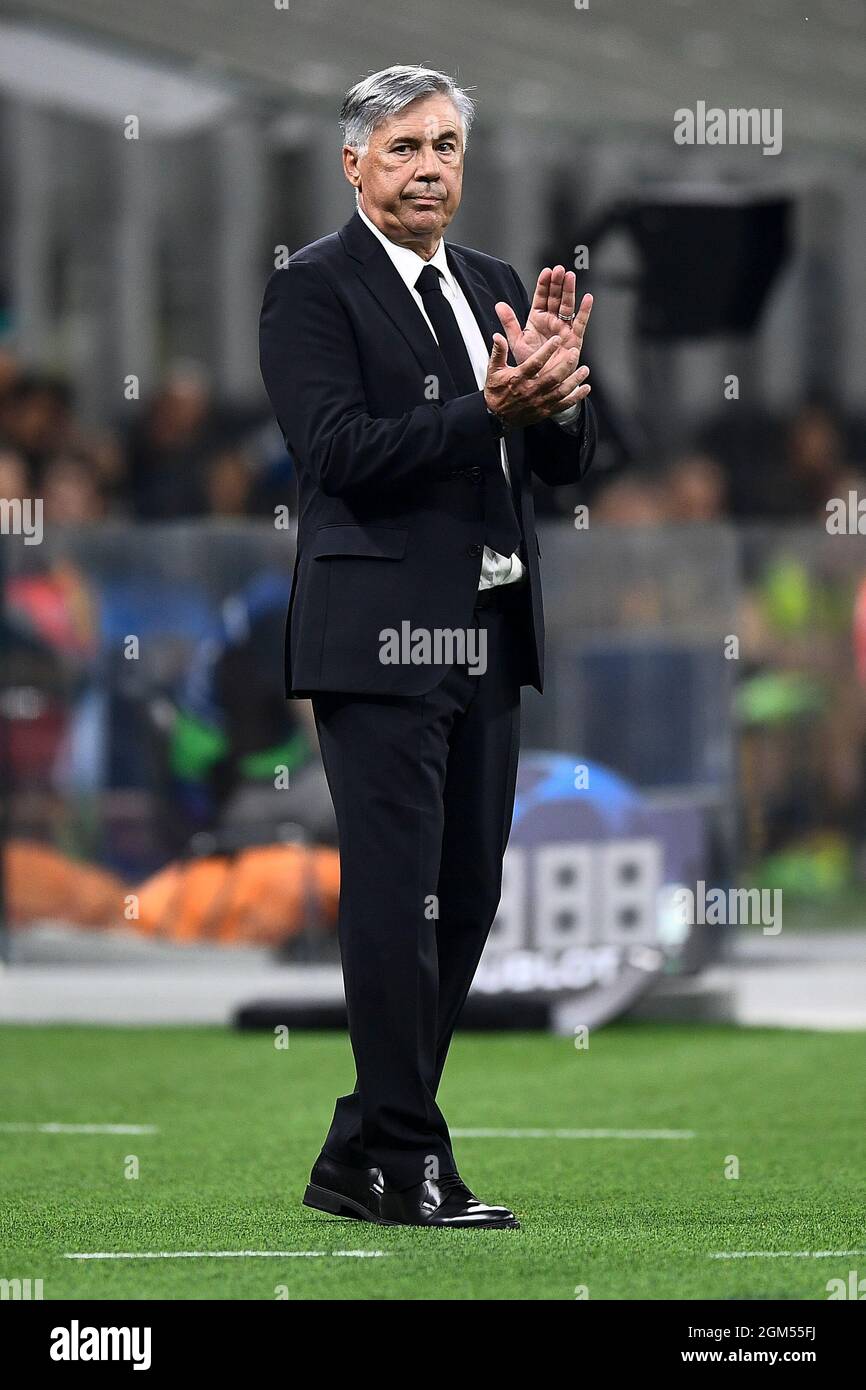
{"points": [[495, 568]]}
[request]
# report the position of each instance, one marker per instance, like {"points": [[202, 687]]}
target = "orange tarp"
{"points": [[259, 896]]}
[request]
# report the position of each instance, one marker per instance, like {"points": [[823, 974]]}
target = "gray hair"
{"points": [[384, 93]]}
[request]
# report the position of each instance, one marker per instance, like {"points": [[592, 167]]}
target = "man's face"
{"points": [[411, 176]]}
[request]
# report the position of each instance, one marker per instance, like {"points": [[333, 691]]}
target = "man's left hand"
{"points": [[554, 295]]}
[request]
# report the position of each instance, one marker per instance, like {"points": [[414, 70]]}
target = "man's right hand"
{"points": [[548, 382]]}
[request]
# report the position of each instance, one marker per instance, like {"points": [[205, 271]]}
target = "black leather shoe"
{"points": [[344, 1191], [444, 1202]]}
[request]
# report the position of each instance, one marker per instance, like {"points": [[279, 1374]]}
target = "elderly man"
{"points": [[417, 391]]}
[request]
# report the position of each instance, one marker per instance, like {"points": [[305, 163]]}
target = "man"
{"points": [[416, 406]]}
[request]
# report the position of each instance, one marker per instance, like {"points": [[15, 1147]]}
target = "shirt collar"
{"points": [[407, 262]]}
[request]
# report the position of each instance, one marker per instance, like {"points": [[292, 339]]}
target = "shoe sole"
{"points": [[336, 1204], [473, 1225]]}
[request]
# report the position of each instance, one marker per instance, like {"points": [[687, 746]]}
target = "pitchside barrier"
{"points": [[162, 796]]}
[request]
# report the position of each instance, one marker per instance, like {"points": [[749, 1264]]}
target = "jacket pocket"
{"points": [[377, 542]]}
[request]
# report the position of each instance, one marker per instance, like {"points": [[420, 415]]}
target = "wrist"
{"points": [[497, 424]]}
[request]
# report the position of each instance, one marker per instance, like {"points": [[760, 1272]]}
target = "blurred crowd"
{"points": [[741, 466], [183, 452]]}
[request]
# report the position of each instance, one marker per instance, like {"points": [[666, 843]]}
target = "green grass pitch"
{"points": [[239, 1122]]}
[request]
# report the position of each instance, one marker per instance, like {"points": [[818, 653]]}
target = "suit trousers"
{"points": [[423, 790]]}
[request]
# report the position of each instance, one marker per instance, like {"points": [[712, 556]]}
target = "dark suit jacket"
{"points": [[390, 480]]}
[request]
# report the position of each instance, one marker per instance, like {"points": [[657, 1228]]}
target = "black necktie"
{"points": [[502, 529]]}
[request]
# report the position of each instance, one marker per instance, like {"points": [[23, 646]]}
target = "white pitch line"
{"points": [[55, 1128], [785, 1254], [573, 1133], [231, 1255]]}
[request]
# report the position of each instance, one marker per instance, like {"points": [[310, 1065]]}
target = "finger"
{"points": [[573, 380], [498, 353], [548, 389], [511, 323], [564, 388], [569, 290], [564, 364], [537, 360], [542, 290], [554, 298], [582, 319], [573, 398]]}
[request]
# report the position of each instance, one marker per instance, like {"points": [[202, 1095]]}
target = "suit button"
{"points": [[475, 549], [475, 473]]}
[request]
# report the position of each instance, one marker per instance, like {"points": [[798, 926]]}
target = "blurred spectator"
{"points": [[748, 444], [190, 454], [13, 475], [234, 732], [168, 446], [695, 489], [630, 501], [275, 483], [815, 455], [70, 491], [36, 418], [185, 453], [777, 468], [229, 483], [10, 370]]}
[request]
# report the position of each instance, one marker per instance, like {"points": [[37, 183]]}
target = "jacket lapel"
{"points": [[481, 301], [483, 305], [373, 267]]}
